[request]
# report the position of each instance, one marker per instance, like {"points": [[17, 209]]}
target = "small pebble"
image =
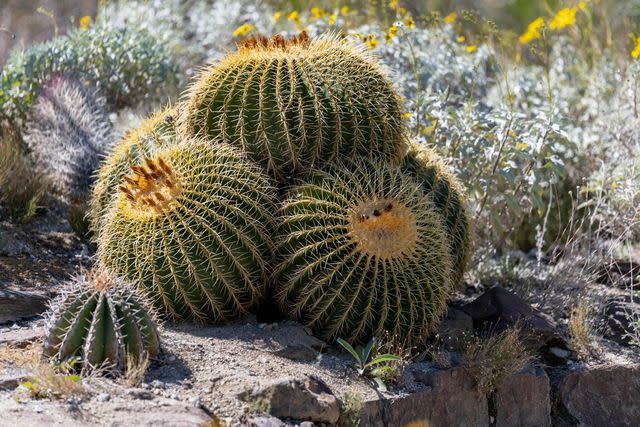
{"points": [[196, 402], [104, 397], [157, 384]]}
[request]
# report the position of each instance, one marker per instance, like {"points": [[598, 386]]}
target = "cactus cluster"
{"points": [[368, 239], [68, 132], [190, 226], [100, 319], [363, 251], [294, 104]]}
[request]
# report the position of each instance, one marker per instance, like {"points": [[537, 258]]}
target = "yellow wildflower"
{"points": [[344, 10], [332, 19], [635, 53], [521, 145], [461, 39], [563, 18], [407, 115], [583, 6], [372, 41], [533, 31], [243, 30], [277, 16], [472, 48], [410, 23], [294, 16], [393, 4], [450, 18], [317, 12], [85, 21], [391, 33]]}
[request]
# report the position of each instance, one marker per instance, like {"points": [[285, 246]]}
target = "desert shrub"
{"points": [[126, 65]]}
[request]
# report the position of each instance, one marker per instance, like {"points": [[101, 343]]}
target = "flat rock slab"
{"points": [[603, 395], [523, 400], [16, 305], [450, 398], [21, 337]]}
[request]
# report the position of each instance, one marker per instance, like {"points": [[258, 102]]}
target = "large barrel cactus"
{"points": [[68, 132], [190, 226], [449, 200], [292, 104], [363, 251], [100, 319], [155, 132]]}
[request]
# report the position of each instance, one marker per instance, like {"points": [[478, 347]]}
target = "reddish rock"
{"points": [[523, 400]]}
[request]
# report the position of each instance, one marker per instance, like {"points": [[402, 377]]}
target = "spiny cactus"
{"points": [[449, 200], [363, 251], [68, 131], [155, 132], [101, 319], [292, 104], [190, 226]]}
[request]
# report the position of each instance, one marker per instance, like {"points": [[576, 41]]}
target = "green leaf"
{"points": [[350, 349], [383, 358]]}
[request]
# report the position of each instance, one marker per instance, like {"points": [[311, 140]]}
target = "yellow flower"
{"points": [[391, 33], [635, 53], [277, 16], [393, 4], [521, 145], [243, 30], [372, 41], [563, 18], [294, 16], [85, 21], [461, 39], [332, 19], [450, 18], [407, 115], [472, 48], [317, 12], [583, 6], [410, 23], [533, 31], [402, 11], [344, 10]]}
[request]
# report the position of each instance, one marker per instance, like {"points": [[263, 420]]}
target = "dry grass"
{"points": [[496, 358], [20, 188], [135, 370], [581, 336]]}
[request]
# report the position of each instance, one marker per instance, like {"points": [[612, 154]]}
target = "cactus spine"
{"points": [[68, 131], [190, 227], [155, 132], [292, 104], [449, 200], [100, 319], [363, 251]]}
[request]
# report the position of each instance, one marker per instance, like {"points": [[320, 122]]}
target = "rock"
{"points": [[307, 424], [139, 393], [15, 305], [158, 384], [297, 352], [498, 309], [618, 316], [621, 273], [309, 399], [11, 377], [454, 327], [104, 397], [265, 421], [11, 246], [523, 400], [560, 352], [603, 395], [21, 337], [449, 398]]}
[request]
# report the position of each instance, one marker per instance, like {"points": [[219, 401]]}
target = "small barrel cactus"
{"points": [[100, 319], [68, 132], [153, 133], [449, 200], [292, 104], [190, 226], [363, 251]]}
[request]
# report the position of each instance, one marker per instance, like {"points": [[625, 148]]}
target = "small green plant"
{"points": [[373, 367], [54, 380], [350, 410]]}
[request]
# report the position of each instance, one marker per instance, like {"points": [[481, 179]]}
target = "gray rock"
{"points": [[11, 246], [603, 395], [21, 337], [297, 352], [11, 377], [265, 421], [454, 327], [139, 393], [449, 398], [560, 352], [308, 399], [619, 313], [523, 400], [104, 397], [307, 424], [15, 305], [498, 309]]}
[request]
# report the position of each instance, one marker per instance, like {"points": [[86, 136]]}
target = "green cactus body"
{"points": [[154, 133], [100, 319], [449, 200], [190, 227], [363, 251], [292, 104]]}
